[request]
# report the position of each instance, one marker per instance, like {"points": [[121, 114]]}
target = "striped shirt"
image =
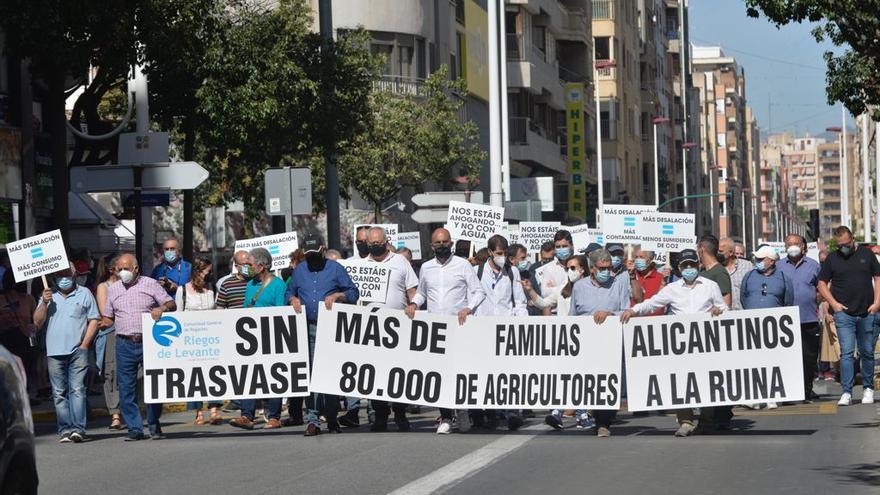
{"points": [[126, 304], [230, 294]]}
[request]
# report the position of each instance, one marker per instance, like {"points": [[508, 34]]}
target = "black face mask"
{"points": [[443, 251], [721, 258], [316, 261], [362, 248], [377, 250], [846, 250]]}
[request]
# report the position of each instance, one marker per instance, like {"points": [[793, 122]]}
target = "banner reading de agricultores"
{"points": [[739, 357], [225, 354]]}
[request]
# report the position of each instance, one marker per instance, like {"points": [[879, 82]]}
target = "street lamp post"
{"points": [[600, 174], [684, 174], [744, 191], [844, 197], [657, 121]]}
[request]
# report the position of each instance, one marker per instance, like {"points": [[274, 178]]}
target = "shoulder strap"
{"points": [[509, 271], [254, 299], [183, 293], [480, 271]]}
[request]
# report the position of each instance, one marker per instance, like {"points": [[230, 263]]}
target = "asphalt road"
{"points": [[816, 448]]}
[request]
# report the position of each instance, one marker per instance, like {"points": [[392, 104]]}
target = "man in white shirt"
{"points": [[691, 294], [401, 290], [554, 274], [450, 287]]}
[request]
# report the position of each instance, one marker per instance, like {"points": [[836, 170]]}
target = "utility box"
{"points": [[288, 191]]}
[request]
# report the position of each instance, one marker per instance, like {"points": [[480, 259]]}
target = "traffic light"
{"points": [[813, 227]]}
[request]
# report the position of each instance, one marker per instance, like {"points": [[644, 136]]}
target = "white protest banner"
{"points": [[688, 361], [411, 241], [582, 236], [668, 231], [279, 246], [533, 234], [516, 362], [622, 223], [390, 230], [381, 354], [38, 255], [473, 222], [370, 278], [225, 354], [661, 258], [812, 250]]}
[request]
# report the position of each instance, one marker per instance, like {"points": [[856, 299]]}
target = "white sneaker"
{"points": [[868, 396], [444, 428], [845, 399], [463, 420], [772, 405]]}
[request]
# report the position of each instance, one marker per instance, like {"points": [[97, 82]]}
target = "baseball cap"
{"points": [[688, 255], [591, 247], [614, 248], [766, 252], [312, 242]]}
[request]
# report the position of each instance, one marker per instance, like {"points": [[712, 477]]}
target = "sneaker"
{"points": [[242, 422], [868, 396], [845, 399], [462, 420], [312, 430], [445, 427], [553, 421], [829, 376], [76, 437], [65, 438], [514, 423], [603, 432], [685, 430], [772, 405], [134, 437], [585, 422]]}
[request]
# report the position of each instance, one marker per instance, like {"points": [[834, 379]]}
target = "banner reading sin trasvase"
{"points": [[487, 363], [225, 354]]}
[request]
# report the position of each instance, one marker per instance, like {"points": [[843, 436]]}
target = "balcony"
{"points": [[515, 49], [575, 26], [400, 85], [603, 10], [531, 143], [527, 68], [606, 72]]}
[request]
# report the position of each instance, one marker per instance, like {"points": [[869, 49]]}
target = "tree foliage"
{"points": [[853, 77], [410, 141]]}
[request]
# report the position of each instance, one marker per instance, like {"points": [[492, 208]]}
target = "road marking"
{"points": [[468, 465]]}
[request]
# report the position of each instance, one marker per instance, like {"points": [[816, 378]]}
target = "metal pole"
{"points": [[139, 220], [331, 176], [502, 69], [656, 171], [866, 179], [495, 194], [877, 174], [145, 215], [844, 173], [743, 207], [682, 62], [600, 174]]}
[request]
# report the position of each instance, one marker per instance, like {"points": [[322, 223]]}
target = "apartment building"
{"points": [[831, 186], [800, 161], [770, 188], [751, 194]]}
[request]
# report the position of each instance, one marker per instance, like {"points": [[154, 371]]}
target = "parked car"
{"points": [[18, 465]]}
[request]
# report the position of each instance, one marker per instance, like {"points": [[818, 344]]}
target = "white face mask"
{"points": [[793, 251], [499, 261], [126, 276], [573, 276]]}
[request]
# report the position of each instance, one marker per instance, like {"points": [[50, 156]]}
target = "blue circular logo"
{"points": [[166, 330]]}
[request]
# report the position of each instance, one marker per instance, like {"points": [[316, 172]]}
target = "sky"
{"points": [[784, 68]]}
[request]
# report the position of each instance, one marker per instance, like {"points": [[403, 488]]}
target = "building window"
{"points": [[459, 11], [385, 51], [603, 48], [421, 71], [539, 41]]}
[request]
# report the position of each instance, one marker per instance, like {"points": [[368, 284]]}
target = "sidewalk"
{"points": [[44, 412]]}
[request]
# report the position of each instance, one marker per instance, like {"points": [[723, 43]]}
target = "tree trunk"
{"points": [[189, 153]]}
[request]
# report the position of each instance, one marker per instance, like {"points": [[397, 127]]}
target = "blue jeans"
{"points": [[68, 375], [852, 330], [315, 403], [249, 408], [197, 405], [129, 359]]}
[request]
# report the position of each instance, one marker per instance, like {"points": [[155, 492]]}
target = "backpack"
{"points": [[508, 271]]}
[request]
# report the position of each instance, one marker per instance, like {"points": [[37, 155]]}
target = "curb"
{"points": [[49, 416]]}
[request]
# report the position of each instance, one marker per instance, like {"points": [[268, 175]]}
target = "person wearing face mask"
{"points": [[449, 285], [625, 270], [599, 295], [317, 281], [70, 314], [707, 249], [804, 274], [173, 271], [737, 267], [361, 248], [553, 273], [105, 343], [127, 301], [649, 280], [854, 297], [560, 297], [691, 294]]}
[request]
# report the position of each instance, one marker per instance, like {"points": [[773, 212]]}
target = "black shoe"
{"points": [[553, 421], [350, 419], [333, 427], [312, 431], [402, 424], [514, 423], [491, 422], [528, 413], [157, 435], [379, 426], [414, 409], [293, 421], [813, 396], [134, 437]]}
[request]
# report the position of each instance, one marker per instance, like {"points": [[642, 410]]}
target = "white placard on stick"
{"points": [[473, 222], [226, 354], [279, 246], [739, 357], [38, 255], [411, 241], [668, 231], [533, 234], [622, 223], [391, 230], [370, 278], [582, 236]]}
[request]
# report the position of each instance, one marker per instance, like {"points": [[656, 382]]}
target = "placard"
{"points": [[370, 278], [473, 222], [391, 229], [225, 354], [411, 241], [279, 246], [668, 231], [533, 234], [622, 223], [739, 357], [582, 236], [38, 255]]}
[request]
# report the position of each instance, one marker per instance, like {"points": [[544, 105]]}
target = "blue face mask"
{"points": [[615, 262], [603, 276], [562, 254], [64, 283], [760, 266], [690, 274], [170, 256], [641, 265], [523, 265]]}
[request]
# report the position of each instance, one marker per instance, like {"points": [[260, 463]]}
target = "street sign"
{"points": [[288, 191], [148, 199], [430, 215], [533, 188], [156, 176], [442, 198]]}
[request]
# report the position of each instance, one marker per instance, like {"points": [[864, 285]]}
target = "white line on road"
{"points": [[467, 466]]}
